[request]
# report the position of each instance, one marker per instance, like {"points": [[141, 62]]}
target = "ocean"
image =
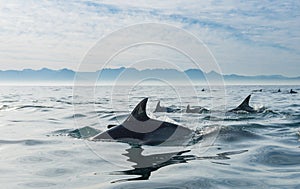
{"points": [[45, 131]]}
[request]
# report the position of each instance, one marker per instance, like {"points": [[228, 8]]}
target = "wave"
{"points": [[235, 134], [80, 133], [276, 156], [27, 142], [76, 116], [35, 106]]}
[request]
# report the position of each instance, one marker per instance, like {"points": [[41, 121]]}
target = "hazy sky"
{"points": [[246, 37]]}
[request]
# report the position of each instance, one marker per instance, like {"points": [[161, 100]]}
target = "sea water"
{"points": [[45, 130]]}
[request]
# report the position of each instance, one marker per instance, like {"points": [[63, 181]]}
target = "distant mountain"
{"points": [[274, 79], [131, 74], [44, 74], [195, 74]]}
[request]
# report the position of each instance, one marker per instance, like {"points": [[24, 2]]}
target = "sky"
{"points": [[259, 37]]}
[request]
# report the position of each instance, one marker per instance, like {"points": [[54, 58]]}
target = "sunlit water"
{"points": [[42, 145]]}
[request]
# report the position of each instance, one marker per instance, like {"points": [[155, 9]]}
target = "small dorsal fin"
{"points": [[245, 103], [188, 107], [158, 105], [157, 108], [139, 111]]}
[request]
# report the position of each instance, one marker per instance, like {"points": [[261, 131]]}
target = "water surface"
{"points": [[45, 130]]}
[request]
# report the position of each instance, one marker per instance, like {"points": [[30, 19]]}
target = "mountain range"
{"points": [[131, 74]]}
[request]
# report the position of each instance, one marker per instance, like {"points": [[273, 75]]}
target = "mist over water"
{"points": [[45, 130]]}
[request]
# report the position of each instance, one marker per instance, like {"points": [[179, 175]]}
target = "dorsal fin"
{"points": [[158, 105], [139, 112], [157, 108], [245, 103], [188, 107]]}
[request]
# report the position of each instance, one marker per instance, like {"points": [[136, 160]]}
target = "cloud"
{"points": [[57, 34]]}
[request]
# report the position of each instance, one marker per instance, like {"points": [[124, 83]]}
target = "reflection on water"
{"points": [[146, 164]]}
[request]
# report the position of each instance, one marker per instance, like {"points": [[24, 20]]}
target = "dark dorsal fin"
{"points": [[188, 107], [245, 103], [158, 104], [157, 108], [139, 111]]}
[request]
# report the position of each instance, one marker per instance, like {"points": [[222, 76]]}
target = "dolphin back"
{"points": [[139, 129]]}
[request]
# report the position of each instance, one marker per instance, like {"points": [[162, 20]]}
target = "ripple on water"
{"points": [[199, 183], [102, 116], [75, 116], [34, 106], [34, 159], [276, 156], [28, 142], [118, 117], [92, 161], [39, 184], [196, 183], [53, 172], [241, 183], [237, 133], [62, 153], [150, 186], [84, 132]]}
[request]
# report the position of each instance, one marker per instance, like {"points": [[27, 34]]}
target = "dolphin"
{"points": [[196, 110], [160, 108], [244, 106], [293, 92], [257, 90], [139, 129]]}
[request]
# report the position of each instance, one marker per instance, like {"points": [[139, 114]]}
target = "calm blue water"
{"points": [[45, 130]]}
